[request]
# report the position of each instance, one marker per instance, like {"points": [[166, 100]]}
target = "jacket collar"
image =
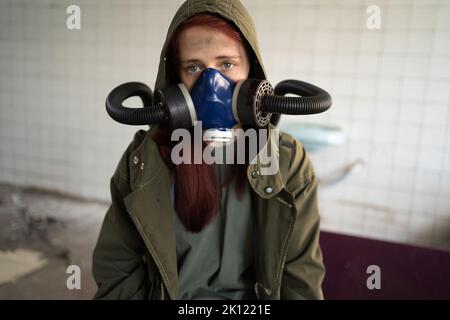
{"points": [[145, 164], [263, 173]]}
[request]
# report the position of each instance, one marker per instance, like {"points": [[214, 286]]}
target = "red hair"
{"points": [[197, 191]]}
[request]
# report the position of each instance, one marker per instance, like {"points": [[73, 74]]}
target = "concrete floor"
{"points": [[63, 229]]}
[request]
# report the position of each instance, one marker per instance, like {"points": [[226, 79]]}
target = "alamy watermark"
{"points": [[374, 281], [374, 17], [74, 280], [73, 21], [233, 152]]}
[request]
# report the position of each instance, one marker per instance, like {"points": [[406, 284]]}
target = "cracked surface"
{"points": [[62, 229]]}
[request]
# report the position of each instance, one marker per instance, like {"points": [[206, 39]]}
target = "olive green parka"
{"points": [[135, 255]]}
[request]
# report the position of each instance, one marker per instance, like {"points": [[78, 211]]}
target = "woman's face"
{"points": [[201, 48]]}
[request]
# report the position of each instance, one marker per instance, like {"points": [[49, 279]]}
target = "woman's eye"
{"points": [[193, 69], [228, 65]]}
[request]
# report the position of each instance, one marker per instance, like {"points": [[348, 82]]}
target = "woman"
{"points": [[198, 231]]}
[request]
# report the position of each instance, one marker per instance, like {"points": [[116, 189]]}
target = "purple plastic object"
{"points": [[407, 272]]}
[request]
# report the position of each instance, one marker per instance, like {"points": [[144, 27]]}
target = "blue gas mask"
{"points": [[212, 96]]}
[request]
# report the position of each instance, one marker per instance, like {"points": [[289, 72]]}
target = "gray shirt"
{"points": [[217, 263]]}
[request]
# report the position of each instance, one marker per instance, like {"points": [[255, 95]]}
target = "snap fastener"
{"points": [[135, 160], [268, 189], [142, 166], [260, 288], [255, 173]]}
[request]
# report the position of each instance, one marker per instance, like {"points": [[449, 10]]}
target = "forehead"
{"points": [[198, 42]]}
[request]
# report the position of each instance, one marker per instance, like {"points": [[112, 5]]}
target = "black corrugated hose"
{"points": [[134, 116], [311, 99]]}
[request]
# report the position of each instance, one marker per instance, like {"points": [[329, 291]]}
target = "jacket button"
{"points": [[268, 189], [255, 173], [135, 160]]}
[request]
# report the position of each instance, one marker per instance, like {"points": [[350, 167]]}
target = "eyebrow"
{"points": [[217, 58]]}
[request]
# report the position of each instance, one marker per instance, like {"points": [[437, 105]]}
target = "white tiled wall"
{"points": [[390, 89]]}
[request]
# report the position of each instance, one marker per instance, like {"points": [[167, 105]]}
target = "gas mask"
{"points": [[212, 96], [218, 102]]}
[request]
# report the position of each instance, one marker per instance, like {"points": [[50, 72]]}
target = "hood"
{"points": [[233, 11]]}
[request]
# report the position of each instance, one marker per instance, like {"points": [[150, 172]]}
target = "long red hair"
{"points": [[197, 191]]}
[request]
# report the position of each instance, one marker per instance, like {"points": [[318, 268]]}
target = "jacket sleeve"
{"points": [[118, 265], [304, 270]]}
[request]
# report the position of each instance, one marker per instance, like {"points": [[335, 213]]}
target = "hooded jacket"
{"points": [[135, 254]]}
